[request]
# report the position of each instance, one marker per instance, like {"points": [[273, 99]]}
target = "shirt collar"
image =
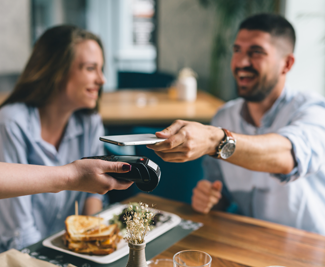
{"points": [[72, 130], [270, 115]]}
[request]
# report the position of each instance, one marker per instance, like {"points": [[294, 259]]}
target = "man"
{"points": [[271, 149]]}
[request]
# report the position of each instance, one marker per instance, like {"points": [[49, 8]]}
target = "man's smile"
{"points": [[244, 77]]}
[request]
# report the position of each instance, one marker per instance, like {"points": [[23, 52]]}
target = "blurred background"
{"points": [[147, 42], [163, 36]]}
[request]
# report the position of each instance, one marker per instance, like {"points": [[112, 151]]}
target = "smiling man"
{"points": [[269, 155]]}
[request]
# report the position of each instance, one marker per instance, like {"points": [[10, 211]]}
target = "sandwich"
{"points": [[88, 235]]}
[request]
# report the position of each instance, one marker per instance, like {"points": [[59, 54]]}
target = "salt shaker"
{"points": [[186, 85]]}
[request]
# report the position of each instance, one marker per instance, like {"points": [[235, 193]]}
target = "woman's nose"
{"points": [[101, 78]]}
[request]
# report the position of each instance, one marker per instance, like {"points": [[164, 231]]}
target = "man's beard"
{"points": [[260, 90]]}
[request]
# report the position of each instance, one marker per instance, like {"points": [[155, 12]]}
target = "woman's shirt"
{"points": [[28, 219]]}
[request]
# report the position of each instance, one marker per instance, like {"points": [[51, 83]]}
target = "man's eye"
{"points": [[256, 52], [90, 68]]}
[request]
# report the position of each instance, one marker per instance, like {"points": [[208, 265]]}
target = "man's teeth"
{"points": [[246, 75]]}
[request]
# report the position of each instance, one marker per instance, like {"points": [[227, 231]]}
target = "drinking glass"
{"points": [[192, 258]]}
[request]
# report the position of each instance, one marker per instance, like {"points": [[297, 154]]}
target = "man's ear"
{"points": [[289, 60]]}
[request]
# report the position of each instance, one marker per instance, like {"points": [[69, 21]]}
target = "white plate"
{"points": [[55, 241]]}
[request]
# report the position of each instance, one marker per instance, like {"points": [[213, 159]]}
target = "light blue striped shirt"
{"points": [[27, 219], [297, 199]]}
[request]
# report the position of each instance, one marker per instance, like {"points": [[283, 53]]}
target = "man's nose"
{"points": [[243, 61]]}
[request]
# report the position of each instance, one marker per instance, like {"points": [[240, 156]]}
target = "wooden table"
{"points": [[140, 107], [235, 241], [143, 107]]}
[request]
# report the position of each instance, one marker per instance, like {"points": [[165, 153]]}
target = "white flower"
{"points": [[137, 225]]}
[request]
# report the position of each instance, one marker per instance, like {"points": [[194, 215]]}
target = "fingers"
{"points": [[211, 194], [117, 167], [175, 134], [206, 195], [173, 156], [90, 175], [119, 184], [171, 130], [185, 141], [217, 185]]}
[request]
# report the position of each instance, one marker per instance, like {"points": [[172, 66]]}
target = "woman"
{"points": [[50, 119]]}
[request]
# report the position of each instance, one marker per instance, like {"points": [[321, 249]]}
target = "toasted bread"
{"points": [[76, 225], [87, 234]]}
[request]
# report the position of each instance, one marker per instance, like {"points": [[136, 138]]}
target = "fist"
{"points": [[206, 195]]}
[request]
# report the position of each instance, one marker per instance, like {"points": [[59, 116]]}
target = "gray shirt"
{"points": [[296, 199]]}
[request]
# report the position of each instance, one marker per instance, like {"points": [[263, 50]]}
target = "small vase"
{"points": [[137, 255]]}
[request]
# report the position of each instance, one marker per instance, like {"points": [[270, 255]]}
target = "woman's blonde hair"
{"points": [[48, 66]]}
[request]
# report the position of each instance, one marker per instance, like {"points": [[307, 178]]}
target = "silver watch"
{"points": [[227, 146]]}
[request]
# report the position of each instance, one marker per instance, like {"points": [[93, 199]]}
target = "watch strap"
{"points": [[228, 136]]}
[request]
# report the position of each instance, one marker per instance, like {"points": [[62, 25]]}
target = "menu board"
{"points": [[144, 22]]}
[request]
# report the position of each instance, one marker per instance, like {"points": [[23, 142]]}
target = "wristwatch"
{"points": [[227, 145]]}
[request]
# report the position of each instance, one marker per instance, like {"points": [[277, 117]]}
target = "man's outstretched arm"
{"points": [[190, 140]]}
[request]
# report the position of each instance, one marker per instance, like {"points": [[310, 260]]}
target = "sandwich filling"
{"points": [[88, 235]]}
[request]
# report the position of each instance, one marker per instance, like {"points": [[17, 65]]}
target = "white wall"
{"points": [[15, 43], [308, 19], [112, 21], [185, 36]]}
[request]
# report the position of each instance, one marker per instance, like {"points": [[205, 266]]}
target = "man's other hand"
{"points": [[206, 195]]}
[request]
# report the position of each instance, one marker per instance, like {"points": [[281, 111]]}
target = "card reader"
{"points": [[144, 172]]}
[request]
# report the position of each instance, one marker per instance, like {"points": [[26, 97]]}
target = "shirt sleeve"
{"points": [[97, 148], [17, 225], [306, 132], [213, 172]]}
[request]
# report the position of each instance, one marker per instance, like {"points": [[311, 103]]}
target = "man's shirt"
{"points": [[296, 199], [27, 219]]}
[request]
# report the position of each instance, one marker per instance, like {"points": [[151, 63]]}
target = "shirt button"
{"points": [[58, 216]]}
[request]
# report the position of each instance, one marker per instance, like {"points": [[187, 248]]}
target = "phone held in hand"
{"points": [[131, 139]]}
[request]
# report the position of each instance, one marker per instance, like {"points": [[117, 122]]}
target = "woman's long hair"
{"points": [[48, 66]]}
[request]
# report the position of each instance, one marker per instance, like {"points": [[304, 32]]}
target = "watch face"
{"points": [[227, 150]]}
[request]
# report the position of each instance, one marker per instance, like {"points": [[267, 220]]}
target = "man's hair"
{"points": [[273, 24]]}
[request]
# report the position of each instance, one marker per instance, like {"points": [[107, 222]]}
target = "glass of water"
{"points": [[192, 258]]}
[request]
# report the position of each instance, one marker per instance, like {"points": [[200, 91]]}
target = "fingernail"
{"points": [[126, 167]]}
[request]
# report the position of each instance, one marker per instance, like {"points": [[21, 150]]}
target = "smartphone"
{"points": [[131, 139]]}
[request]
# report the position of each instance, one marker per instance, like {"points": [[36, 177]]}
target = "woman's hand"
{"points": [[89, 175]]}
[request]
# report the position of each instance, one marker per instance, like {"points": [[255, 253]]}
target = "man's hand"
{"points": [[187, 141], [206, 195], [89, 175]]}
